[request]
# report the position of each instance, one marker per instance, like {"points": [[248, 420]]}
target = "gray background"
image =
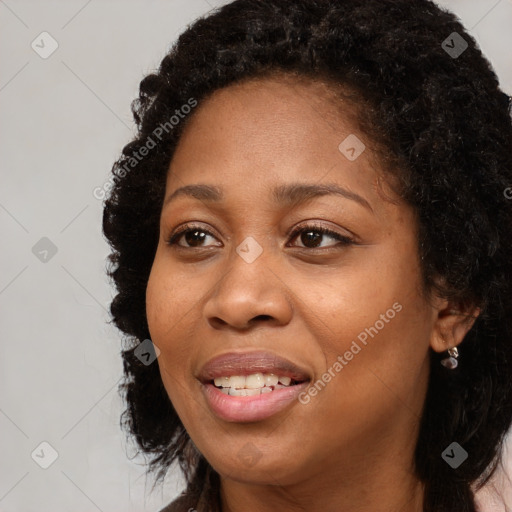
{"points": [[64, 120]]}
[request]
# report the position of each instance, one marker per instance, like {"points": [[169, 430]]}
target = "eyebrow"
{"points": [[288, 195]]}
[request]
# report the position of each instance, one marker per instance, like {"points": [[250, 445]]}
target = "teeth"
{"points": [[237, 382], [242, 392], [222, 382], [271, 379], [250, 385], [255, 381], [249, 392]]}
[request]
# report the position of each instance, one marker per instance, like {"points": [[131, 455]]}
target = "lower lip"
{"points": [[250, 408]]}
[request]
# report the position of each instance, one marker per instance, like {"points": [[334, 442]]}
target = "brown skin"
{"points": [[351, 447]]}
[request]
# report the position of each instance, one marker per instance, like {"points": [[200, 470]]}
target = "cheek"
{"points": [[170, 295], [155, 306], [163, 311], [350, 302], [166, 311], [377, 321], [172, 309]]}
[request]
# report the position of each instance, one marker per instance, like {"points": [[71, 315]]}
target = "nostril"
{"points": [[262, 317]]}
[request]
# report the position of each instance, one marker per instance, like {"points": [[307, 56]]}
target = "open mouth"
{"points": [[245, 404], [254, 384], [251, 386]]}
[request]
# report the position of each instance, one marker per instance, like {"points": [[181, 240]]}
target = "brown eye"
{"points": [[312, 236], [194, 236]]}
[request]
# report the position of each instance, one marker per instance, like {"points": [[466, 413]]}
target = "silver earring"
{"points": [[451, 362]]}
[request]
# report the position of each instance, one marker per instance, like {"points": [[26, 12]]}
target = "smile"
{"points": [[250, 407], [253, 386]]}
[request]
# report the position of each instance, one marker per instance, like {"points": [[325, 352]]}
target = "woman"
{"points": [[312, 227]]}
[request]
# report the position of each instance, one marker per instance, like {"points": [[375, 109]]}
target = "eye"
{"points": [[194, 236], [311, 236]]}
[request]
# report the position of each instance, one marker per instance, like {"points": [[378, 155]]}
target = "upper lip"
{"points": [[247, 363]]}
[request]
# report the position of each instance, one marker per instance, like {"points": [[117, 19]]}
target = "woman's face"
{"points": [[347, 312]]}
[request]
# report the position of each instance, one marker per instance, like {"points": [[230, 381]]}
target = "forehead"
{"points": [[273, 111], [274, 130]]}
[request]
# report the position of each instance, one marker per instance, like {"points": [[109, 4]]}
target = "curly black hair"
{"points": [[436, 108]]}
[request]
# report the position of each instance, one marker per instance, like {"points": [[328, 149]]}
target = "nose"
{"points": [[248, 294]]}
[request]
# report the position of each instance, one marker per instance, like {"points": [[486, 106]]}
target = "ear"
{"points": [[452, 321]]}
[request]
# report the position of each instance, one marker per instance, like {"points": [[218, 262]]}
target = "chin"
{"points": [[251, 466]]}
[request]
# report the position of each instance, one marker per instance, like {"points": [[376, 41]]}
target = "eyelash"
{"points": [[344, 240]]}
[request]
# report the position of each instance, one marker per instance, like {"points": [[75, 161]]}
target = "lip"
{"points": [[251, 408], [244, 409], [246, 363]]}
